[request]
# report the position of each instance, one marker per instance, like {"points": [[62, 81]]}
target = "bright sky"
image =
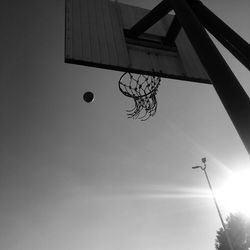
{"points": [[82, 176]]}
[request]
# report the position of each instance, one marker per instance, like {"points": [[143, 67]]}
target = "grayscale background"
{"points": [[82, 176]]}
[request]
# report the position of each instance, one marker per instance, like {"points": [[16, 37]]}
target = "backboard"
{"points": [[96, 35]]}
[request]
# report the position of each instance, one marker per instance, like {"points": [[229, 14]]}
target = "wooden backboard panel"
{"points": [[94, 36]]}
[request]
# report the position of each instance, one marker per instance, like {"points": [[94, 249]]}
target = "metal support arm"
{"points": [[229, 38], [228, 88], [150, 19], [172, 32]]}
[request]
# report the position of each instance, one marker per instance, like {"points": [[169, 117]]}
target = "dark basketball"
{"points": [[88, 97]]}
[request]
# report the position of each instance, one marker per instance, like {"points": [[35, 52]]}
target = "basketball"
{"points": [[88, 97]]}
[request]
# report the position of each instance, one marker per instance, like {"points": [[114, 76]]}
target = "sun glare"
{"points": [[234, 196]]}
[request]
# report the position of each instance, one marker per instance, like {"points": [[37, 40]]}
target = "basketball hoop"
{"points": [[143, 90]]}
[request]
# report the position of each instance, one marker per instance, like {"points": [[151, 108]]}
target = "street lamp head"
{"points": [[195, 167]]}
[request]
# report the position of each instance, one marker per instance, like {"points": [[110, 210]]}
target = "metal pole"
{"points": [[228, 88], [223, 33], [218, 210], [172, 32], [229, 34], [150, 19], [216, 204]]}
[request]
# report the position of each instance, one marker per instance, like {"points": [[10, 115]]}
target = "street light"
{"points": [[203, 168]]}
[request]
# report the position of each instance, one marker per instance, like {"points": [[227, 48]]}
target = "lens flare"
{"points": [[234, 196]]}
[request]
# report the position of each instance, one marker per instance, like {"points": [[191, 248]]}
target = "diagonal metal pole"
{"points": [[218, 210], [203, 168], [150, 19], [172, 33], [228, 88], [204, 13], [222, 32]]}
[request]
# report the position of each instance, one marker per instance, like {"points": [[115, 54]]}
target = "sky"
{"points": [[82, 176]]}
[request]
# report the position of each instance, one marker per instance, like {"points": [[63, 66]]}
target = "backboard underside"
{"points": [[95, 35]]}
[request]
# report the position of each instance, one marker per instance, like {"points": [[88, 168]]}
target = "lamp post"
{"points": [[203, 168]]}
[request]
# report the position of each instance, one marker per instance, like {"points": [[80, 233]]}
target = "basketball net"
{"points": [[142, 89]]}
